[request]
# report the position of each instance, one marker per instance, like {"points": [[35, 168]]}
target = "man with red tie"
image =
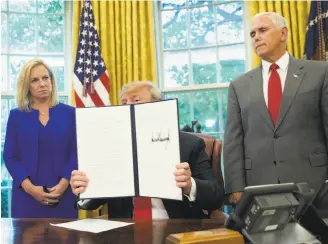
{"points": [[194, 176], [277, 121]]}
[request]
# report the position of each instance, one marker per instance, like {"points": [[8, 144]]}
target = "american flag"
{"points": [[91, 80], [316, 44]]}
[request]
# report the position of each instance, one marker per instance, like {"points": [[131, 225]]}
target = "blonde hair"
{"points": [[24, 98], [156, 94]]}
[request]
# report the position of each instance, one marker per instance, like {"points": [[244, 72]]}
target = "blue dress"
{"points": [[45, 154]]}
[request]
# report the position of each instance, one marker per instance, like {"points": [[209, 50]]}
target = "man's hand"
{"points": [[60, 188], [79, 182], [235, 197], [183, 177]]}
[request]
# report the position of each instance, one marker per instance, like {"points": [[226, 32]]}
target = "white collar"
{"points": [[282, 62]]}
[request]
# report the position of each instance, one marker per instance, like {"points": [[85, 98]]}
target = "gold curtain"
{"points": [[127, 39], [295, 12]]}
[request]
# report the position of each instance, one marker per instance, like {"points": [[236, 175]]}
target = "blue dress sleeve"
{"points": [[11, 152]]}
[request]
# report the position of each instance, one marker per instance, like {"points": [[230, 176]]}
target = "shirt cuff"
{"points": [[192, 196]]}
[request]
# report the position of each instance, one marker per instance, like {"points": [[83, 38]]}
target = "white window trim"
{"points": [[191, 87]]}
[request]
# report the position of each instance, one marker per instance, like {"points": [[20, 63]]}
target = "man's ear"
{"points": [[284, 34]]}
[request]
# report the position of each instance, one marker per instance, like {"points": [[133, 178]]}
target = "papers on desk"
{"points": [[92, 225], [129, 150]]}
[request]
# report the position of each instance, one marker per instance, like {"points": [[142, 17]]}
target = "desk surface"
{"points": [[39, 231]]}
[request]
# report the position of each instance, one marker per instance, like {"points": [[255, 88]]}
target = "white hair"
{"points": [[277, 19]]}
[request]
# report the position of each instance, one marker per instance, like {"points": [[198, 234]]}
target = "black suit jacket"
{"points": [[209, 194]]}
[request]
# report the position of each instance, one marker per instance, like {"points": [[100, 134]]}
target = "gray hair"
{"points": [[276, 18]]}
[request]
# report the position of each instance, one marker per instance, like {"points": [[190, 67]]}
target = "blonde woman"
{"points": [[40, 147]]}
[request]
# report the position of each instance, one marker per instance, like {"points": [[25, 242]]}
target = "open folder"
{"points": [[129, 150]]}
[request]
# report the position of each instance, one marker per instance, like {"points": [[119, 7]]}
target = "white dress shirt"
{"points": [[282, 71], [158, 209]]}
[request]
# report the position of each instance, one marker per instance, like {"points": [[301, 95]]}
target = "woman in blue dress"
{"points": [[40, 147]]}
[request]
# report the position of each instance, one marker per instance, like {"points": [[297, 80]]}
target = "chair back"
{"points": [[213, 148]]}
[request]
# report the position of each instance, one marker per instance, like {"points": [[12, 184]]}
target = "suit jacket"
{"points": [[295, 150], [21, 144], [209, 194]]}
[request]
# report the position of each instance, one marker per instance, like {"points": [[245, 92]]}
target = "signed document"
{"points": [[129, 150]]}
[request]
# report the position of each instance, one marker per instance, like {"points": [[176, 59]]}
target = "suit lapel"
{"points": [[258, 96], [294, 78]]}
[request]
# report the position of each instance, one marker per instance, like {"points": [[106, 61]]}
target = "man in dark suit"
{"points": [[277, 121], [194, 175]]}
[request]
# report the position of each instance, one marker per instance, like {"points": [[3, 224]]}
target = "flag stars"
{"points": [[95, 63], [84, 33], [96, 54], [81, 51], [88, 61], [88, 71], [89, 52], [102, 64], [95, 44], [80, 60], [82, 42], [79, 70], [94, 72]]}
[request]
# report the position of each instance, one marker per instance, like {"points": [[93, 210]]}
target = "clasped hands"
{"points": [[49, 198], [79, 180]]}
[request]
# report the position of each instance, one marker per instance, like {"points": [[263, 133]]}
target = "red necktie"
{"points": [[142, 208], [274, 93]]}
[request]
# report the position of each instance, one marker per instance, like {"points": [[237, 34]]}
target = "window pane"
{"points": [[202, 26], [3, 32], [204, 66], [50, 6], [22, 5], [169, 4], [22, 33], [4, 76], [15, 65], [4, 4], [4, 117], [51, 33], [223, 105], [208, 107], [12, 103], [176, 68], [197, 3], [230, 23], [63, 99], [174, 25], [206, 110], [232, 62], [183, 106], [57, 67]]}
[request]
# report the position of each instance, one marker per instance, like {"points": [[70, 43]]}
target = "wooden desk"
{"points": [[39, 231]]}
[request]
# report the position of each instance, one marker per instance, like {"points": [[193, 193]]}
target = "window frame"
{"points": [[201, 87]]}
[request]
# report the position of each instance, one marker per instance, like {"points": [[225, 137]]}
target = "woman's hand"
{"points": [[60, 188], [38, 194]]}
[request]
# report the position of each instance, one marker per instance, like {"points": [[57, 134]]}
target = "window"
{"points": [[30, 28], [201, 49]]}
